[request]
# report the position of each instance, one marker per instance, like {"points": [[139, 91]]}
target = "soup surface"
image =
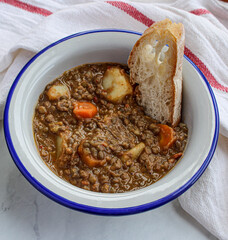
{"points": [[91, 132]]}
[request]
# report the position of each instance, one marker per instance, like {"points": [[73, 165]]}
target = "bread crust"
{"points": [[175, 34]]}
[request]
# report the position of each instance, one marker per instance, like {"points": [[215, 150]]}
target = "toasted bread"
{"points": [[155, 63]]}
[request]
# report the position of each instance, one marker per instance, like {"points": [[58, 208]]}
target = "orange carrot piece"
{"points": [[167, 136], [88, 159], [177, 155], [84, 110]]}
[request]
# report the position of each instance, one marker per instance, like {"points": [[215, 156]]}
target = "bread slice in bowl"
{"points": [[155, 63]]}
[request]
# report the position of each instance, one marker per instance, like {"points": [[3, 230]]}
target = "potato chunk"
{"points": [[57, 91], [133, 153], [59, 146], [61, 143], [116, 83]]}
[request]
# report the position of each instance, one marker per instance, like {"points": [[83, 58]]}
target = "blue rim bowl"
{"points": [[99, 210]]}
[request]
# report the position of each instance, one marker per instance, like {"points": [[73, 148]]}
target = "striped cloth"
{"points": [[28, 26]]}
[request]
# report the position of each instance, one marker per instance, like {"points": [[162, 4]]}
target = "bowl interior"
{"points": [[107, 46]]}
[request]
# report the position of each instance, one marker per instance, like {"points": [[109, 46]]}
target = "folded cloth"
{"points": [[27, 27]]}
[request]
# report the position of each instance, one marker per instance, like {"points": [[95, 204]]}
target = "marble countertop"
{"points": [[27, 214]]}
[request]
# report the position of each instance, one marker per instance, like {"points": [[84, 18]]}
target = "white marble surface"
{"points": [[27, 214]]}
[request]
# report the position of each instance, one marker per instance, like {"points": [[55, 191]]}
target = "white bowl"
{"points": [[200, 113]]}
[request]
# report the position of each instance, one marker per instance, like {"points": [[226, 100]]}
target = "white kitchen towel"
{"points": [[27, 27]]}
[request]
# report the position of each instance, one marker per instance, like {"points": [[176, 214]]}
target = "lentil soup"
{"points": [[91, 131]]}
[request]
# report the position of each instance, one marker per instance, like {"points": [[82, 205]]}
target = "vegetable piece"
{"points": [[59, 146], [57, 91], [116, 83], [87, 158], [167, 136], [177, 155], [133, 153], [84, 110], [61, 143]]}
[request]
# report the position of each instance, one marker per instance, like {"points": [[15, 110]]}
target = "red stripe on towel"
{"points": [[133, 12], [28, 7], [200, 11], [136, 14], [213, 82]]}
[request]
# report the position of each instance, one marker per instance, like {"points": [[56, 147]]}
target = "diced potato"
{"points": [[133, 153], [57, 91], [116, 83], [59, 146], [61, 143]]}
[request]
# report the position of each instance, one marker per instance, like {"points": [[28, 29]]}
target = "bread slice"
{"points": [[155, 63]]}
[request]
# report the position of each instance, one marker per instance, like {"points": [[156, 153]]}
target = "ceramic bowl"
{"points": [[200, 113]]}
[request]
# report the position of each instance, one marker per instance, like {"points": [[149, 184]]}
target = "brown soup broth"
{"points": [[93, 153]]}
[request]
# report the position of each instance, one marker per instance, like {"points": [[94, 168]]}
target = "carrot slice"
{"points": [[177, 155], [88, 159], [167, 136], [84, 110]]}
